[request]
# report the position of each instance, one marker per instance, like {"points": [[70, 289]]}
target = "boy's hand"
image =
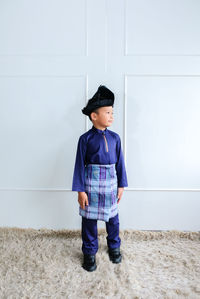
{"points": [[82, 199], [120, 192]]}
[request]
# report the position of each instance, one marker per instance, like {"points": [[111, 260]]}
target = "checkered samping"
{"points": [[101, 188]]}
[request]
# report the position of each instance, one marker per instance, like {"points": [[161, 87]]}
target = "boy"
{"points": [[99, 177]]}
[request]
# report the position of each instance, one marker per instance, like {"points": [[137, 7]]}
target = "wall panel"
{"points": [[53, 57]]}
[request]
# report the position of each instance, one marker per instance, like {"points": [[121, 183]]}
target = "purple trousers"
{"points": [[90, 234]]}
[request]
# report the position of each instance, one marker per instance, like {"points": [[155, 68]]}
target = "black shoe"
{"points": [[89, 263], [115, 255]]}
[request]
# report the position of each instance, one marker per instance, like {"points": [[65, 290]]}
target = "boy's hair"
{"points": [[96, 111]]}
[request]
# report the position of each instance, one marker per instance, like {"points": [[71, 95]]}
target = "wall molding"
{"points": [[146, 54], [125, 132]]}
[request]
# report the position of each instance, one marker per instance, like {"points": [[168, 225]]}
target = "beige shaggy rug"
{"points": [[47, 264]]}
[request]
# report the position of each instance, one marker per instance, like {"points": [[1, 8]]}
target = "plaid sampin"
{"points": [[101, 188]]}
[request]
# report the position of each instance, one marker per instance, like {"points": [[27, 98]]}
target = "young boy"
{"points": [[99, 177]]}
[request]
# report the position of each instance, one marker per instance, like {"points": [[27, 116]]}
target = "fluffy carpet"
{"points": [[47, 264]]}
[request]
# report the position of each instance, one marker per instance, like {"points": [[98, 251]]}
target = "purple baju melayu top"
{"points": [[98, 147]]}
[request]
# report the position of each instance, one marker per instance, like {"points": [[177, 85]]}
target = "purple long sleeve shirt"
{"points": [[98, 147]]}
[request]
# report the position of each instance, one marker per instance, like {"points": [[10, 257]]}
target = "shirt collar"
{"points": [[98, 130]]}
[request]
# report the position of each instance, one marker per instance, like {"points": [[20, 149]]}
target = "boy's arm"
{"points": [[120, 166], [78, 183]]}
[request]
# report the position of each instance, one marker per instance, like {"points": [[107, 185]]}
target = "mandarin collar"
{"points": [[98, 130]]}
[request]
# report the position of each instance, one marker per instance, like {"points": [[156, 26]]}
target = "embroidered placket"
{"points": [[105, 141]]}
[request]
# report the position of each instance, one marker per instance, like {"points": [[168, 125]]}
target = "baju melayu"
{"points": [[99, 171]]}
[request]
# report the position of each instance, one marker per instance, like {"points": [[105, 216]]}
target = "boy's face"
{"points": [[104, 117]]}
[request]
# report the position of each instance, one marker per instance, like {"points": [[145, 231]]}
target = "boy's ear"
{"points": [[92, 114]]}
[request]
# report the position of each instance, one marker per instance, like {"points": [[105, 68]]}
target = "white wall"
{"points": [[53, 57]]}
